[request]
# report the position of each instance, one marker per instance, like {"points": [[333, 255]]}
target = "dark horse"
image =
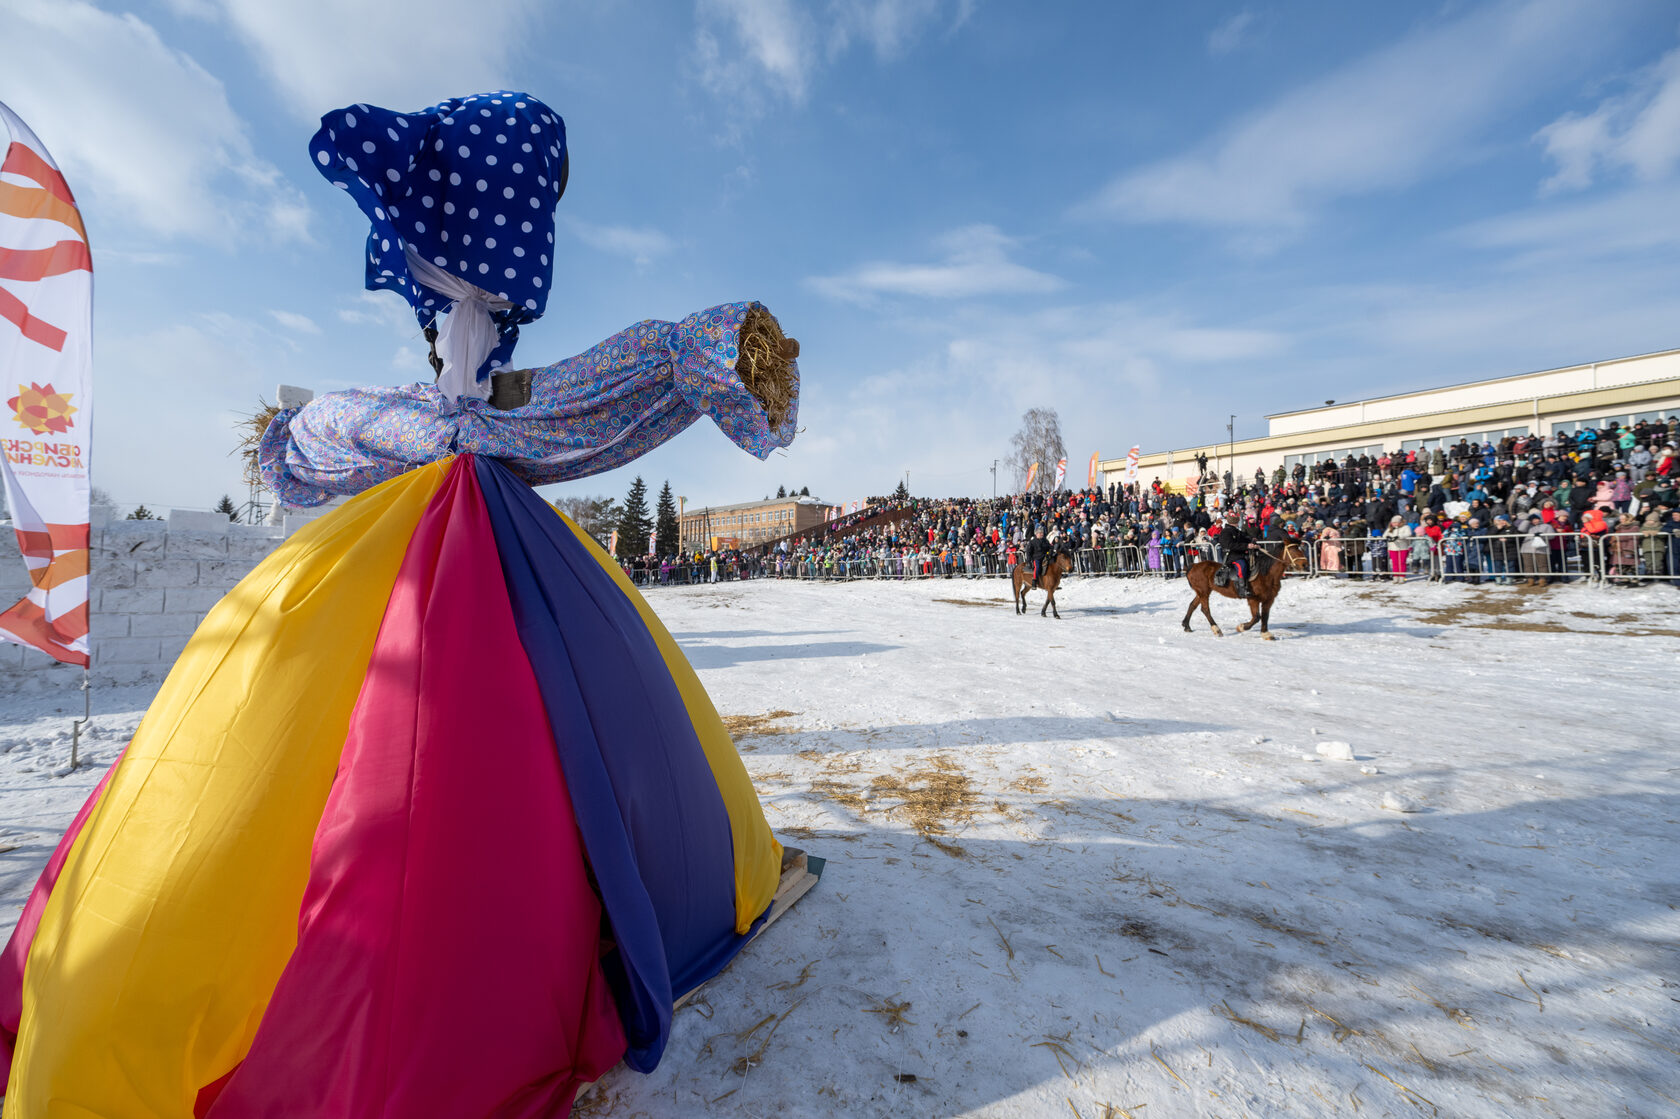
{"points": [[1263, 587], [1054, 568]]}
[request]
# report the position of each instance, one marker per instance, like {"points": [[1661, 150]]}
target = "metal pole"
{"points": [[76, 727], [1231, 431], [994, 479]]}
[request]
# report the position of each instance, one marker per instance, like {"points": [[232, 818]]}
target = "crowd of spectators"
{"points": [[1526, 508]]}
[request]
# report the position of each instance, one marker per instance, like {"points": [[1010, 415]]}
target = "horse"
{"points": [[1263, 587], [1021, 576]]}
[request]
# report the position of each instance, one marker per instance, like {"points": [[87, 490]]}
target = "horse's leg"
{"points": [[1253, 613], [1053, 609], [1265, 619], [1217, 632], [1195, 597]]}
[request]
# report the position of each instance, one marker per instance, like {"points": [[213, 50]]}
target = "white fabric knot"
{"points": [[466, 332]]}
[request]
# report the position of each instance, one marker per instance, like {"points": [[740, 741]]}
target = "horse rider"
{"points": [[1236, 544], [1038, 550]]}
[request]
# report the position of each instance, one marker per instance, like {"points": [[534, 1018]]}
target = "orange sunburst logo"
{"points": [[42, 410]]}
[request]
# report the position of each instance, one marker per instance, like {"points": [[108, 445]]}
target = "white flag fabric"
{"points": [[1132, 465], [1061, 471], [46, 349]]}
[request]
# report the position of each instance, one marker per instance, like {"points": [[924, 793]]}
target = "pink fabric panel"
{"points": [[448, 950], [16, 954]]}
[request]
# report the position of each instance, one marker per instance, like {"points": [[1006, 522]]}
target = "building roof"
{"points": [[744, 505], [1468, 384]]}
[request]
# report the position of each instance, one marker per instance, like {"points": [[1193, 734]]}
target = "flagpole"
{"points": [[87, 715]]}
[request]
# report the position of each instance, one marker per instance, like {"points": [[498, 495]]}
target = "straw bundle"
{"points": [[765, 364]]}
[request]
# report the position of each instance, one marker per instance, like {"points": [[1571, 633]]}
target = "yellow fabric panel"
{"points": [[178, 906], [758, 856]]}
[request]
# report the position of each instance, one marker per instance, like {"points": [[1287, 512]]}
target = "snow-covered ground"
{"points": [[1100, 867]]}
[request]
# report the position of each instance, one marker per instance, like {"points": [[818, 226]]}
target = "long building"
{"points": [[1623, 390], [750, 522]]}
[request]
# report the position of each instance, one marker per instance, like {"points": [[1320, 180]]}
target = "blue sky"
{"points": [[1146, 216]]}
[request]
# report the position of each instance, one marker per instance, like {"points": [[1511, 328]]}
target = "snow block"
{"points": [[133, 539], [196, 544], [126, 650], [195, 520], [167, 573], [160, 625], [129, 600], [191, 600]]}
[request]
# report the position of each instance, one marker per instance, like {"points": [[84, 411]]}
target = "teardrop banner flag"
{"points": [[1132, 464], [1061, 471], [1091, 473], [46, 348], [1032, 475]]}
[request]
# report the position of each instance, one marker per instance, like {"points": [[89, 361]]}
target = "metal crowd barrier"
{"points": [[1623, 558]]}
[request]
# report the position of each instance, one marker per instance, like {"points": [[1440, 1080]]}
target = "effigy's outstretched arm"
{"points": [[590, 413]]}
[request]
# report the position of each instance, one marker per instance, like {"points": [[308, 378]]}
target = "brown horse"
{"points": [[1263, 588], [1021, 576]]}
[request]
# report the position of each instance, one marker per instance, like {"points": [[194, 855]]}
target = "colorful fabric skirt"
{"points": [[431, 817]]}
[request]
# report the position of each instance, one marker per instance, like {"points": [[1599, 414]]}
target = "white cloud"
{"points": [[1230, 34], [1377, 124], [1638, 132], [1105, 367], [381, 308], [739, 40], [1626, 223], [890, 27], [295, 323], [142, 131], [976, 263], [752, 52], [323, 54], [639, 244]]}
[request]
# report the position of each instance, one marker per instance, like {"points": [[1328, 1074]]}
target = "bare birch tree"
{"points": [[1039, 440]]}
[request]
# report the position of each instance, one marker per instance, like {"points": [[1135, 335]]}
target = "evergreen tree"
{"points": [[902, 493], [666, 530], [781, 491], [225, 505], [141, 513], [634, 524], [804, 491]]}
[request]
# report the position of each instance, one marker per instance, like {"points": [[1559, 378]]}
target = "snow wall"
{"points": [[153, 582]]}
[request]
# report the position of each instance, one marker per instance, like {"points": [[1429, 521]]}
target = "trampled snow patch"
{"points": [[1081, 862]]}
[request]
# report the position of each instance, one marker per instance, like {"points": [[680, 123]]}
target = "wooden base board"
{"points": [[800, 872]]}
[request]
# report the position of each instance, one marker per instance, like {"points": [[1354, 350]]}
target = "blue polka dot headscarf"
{"points": [[461, 197]]}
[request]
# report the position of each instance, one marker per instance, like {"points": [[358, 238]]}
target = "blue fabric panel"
{"points": [[653, 823]]}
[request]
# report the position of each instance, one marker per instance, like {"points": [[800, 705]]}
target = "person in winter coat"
{"points": [[1423, 546], [1652, 544], [1235, 544], [1621, 491], [1639, 464], [1038, 550], [1330, 549], [1451, 546], [1399, 540], [1504, 556], [1621, 548], [1537, 552], [1476, 550]]}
